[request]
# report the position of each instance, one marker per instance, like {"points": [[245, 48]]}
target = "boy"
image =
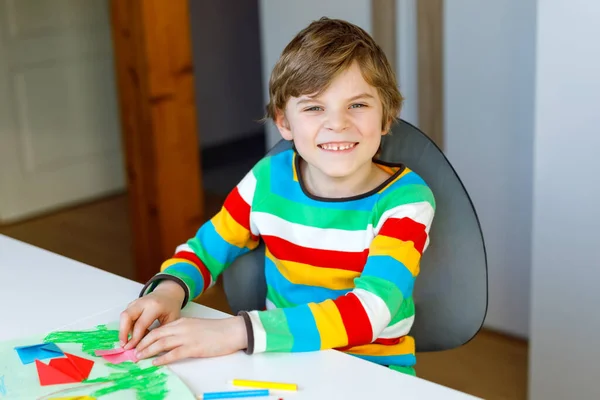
{"points": [[344, 232]]}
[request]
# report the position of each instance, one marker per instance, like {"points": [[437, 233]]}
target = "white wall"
{"points": [[565, 323], [489, 78], [226, 48], [281, 20]]}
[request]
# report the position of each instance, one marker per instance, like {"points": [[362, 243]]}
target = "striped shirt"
{"points": [[339, 272]]}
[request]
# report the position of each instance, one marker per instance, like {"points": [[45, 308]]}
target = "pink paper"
{"points": [[117, 356]]}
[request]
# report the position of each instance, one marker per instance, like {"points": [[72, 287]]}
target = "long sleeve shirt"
{"points": [[339, 272]]}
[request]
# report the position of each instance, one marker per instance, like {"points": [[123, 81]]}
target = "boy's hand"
{"points": [[164, 304], [194, 337]]}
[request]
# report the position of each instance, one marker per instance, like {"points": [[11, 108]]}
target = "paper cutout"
{"points": [[125, 381], [43, 351], [117, 356], [71, 369]]}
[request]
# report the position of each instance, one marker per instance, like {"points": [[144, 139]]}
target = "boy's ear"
{"points": [[387, 127], [283, 125]]}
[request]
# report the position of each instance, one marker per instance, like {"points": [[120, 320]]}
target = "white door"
{"points": [[60, 140]]}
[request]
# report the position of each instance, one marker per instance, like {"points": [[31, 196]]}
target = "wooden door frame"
{"points": [[154, 69], [430, 49], [430, 16]]}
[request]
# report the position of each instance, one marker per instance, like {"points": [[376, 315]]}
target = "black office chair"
{"points": [[451, 291]]}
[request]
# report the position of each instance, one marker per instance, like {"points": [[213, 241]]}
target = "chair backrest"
{"points": [[451, 292]]}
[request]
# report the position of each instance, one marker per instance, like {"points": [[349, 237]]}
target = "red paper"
{"points": [[71, 369]]}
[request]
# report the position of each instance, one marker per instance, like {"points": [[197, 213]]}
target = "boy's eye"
{"points": [[358, 105], [315, 108]]}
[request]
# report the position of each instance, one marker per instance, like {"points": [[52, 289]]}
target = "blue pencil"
{"points": [[234, 394]]}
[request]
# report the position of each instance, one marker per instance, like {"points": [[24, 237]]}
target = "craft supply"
{"points": [[76, 371], [233, 395], [117, 356], [71, 369], [265, 385], [42, 351]]}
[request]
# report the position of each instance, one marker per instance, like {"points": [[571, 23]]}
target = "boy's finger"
{"points": [[156, 334], [176, 354], [140, 329], [127, 319], [158, 346]]}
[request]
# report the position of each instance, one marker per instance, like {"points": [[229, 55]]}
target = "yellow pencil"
{"points": [[265, 385]]}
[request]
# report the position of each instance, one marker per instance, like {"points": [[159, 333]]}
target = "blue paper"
{"points": [[43, 351]]}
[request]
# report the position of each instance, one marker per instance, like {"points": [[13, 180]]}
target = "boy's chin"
{"points": [[338, 171]]}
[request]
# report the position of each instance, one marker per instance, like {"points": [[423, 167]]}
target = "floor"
{"points": [[491, 366]]}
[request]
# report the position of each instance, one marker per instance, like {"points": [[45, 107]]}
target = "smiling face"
{"points": [[338, 132]]}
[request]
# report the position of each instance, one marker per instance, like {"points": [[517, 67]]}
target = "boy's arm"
{"points": [[360, 316], [197, 263]]}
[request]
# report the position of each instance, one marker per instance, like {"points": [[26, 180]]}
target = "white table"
{"points": [[41, 291]]}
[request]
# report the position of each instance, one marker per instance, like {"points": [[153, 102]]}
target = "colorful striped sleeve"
{"points": [[361, 315], [197, 263]]}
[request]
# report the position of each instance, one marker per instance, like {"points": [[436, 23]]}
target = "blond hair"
{"points": [[319, 53]]}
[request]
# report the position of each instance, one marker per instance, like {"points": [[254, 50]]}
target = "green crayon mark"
{"points": [[149, 383], [99, 339]]}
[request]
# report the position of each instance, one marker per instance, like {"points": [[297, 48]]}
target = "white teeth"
{"points": [[336, 147]]}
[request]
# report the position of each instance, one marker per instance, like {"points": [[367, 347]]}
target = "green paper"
{"points": [[125, 381]]}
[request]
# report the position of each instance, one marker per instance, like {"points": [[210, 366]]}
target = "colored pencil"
{"points": [[232, 395], [265, 385]]}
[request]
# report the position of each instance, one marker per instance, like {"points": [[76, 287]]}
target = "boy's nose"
{"points": [[336, 122]]}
